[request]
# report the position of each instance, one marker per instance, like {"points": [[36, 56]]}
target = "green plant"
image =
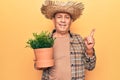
{"points": [[42, 40]]}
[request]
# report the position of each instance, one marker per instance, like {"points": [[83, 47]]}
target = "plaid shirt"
{"points": [[79, 59]]}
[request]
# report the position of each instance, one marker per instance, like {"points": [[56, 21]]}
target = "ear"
{"points": [[71, 20], [54, 22], [53, 19]]}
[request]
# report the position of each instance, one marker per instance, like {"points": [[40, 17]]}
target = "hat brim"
{"points": [[75, 10]]}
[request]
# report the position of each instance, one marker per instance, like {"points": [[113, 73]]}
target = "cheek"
{"points": [[68, 23]]}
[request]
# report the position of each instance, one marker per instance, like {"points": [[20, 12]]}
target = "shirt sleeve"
{"points": [[45, 74], [90, 62]]}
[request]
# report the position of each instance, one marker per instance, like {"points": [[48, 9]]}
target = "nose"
{"points": [[63, 20]]}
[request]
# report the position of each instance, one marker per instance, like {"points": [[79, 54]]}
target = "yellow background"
{"points": [[20, 18]]}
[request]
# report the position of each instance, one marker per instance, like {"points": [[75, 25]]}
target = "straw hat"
{"points": [[49, 8]]}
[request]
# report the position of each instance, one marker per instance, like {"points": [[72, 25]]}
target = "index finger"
{"points": [[92, 32]]}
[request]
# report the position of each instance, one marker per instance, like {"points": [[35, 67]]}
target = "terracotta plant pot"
{"points": [[44, 57]]}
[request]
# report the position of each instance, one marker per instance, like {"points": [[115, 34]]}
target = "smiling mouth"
{"points": [[62, 24]]}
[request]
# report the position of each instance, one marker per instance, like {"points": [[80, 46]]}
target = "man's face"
{"points": [[62, 22]]}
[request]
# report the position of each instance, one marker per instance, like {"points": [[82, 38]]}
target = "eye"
{"points": [[58, 16], [67, 17]]}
